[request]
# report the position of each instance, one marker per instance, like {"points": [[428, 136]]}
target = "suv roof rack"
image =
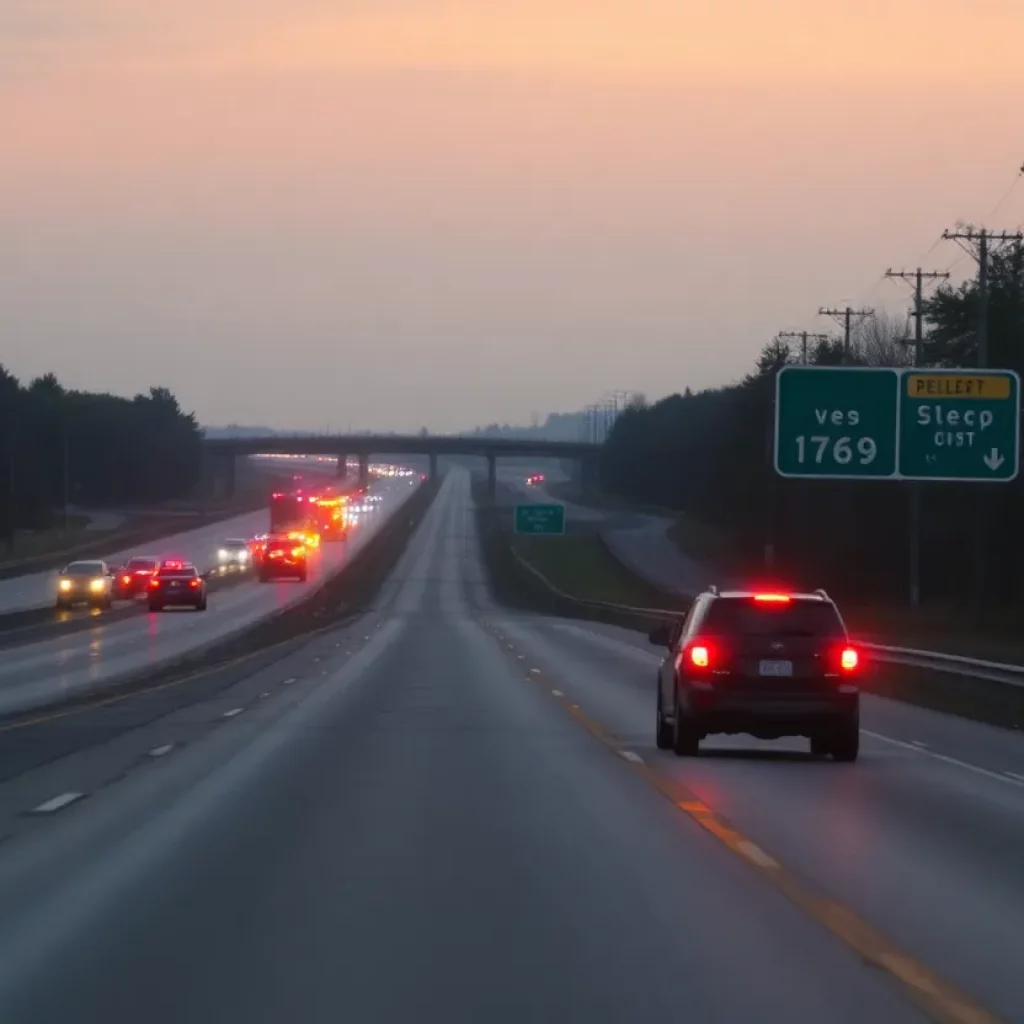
{"points": [[821, 592], [712, 589]]}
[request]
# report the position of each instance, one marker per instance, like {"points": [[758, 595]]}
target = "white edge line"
{"points": [[161, 751], [756, 855], [57, 803], [1001, 777]]}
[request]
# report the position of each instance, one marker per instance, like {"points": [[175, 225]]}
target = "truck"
{"points": [[309, 516]]}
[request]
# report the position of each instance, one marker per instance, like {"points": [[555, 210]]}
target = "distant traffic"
{"points": [[300, 520]]}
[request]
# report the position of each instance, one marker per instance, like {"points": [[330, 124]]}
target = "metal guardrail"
{"points": [[953, 664]]}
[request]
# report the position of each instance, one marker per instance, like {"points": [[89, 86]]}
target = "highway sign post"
{"points": [[838, 423], [546, 520]]}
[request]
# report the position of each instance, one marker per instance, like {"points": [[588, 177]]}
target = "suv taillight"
{"points": [[699, 653], [849, 659]]}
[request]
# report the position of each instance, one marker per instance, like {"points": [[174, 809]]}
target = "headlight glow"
{"points": [[96, 585], [64, 585], [222, 555]]}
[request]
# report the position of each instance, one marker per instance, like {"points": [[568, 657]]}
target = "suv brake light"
{"points": [[773, 598], [700, 656], [848, 659]]}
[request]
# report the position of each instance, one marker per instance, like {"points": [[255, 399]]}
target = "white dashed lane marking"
{"points": [[57, 803], [233, 712], [161, 751]]}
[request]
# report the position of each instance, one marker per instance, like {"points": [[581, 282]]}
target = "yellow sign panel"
{"points": [[957, 385]]}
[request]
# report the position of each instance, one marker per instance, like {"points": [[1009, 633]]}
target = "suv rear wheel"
{"points": [[846, 741], [685, 739], [663, 729]]}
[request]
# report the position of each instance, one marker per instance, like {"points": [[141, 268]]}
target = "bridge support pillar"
{"points": [[342, 470], [217, 477], [589, 476], [229, 476], [432, 472], [364, 469], [492, 478]]}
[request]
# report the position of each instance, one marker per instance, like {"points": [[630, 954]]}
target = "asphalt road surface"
{"points": [[446, 812]]}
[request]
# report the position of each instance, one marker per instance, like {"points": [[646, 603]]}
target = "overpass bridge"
{"points": [[220, 453]]}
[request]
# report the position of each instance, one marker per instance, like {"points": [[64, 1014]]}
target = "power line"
{"points": [[917, 279], [804, 337], [844, 317], [977, 244]]}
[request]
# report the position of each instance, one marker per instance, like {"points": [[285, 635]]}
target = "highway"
{"points": [[85, 659], [448, 811], [36, 590]]}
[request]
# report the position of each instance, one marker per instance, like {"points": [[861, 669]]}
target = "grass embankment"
{"points": [[584, 569], [44, 542]]}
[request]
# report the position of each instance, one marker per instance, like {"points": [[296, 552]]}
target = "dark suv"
{"points": [[283, 558], [770, 665]]}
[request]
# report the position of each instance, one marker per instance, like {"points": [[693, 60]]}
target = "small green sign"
{"points": [[836, 422], [540, 519], [959, 425]]}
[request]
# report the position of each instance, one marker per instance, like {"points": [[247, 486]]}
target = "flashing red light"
{"points": [[126, 579], [153, 584], [773, 598], [849, 659], [296, 552], [174, 565], [700, 656], [277, 494]]}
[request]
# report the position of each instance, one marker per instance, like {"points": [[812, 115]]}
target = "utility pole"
{"points": [[918, 277], [967, 240], [804, 337], [844, 317]]}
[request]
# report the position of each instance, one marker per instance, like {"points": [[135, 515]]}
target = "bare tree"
{"points": [[882, 340]]}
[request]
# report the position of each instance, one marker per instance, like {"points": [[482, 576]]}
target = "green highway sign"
{"points": [[540, 519], [838, 423], [959, 425]]}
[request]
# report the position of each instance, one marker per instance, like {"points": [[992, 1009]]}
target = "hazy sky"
{"points": [[396, 213]]}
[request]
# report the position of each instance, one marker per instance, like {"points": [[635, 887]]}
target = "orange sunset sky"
{"points": [[446, 213]]}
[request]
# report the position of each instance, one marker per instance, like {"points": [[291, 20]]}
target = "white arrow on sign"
{"points": [[994, 459]]}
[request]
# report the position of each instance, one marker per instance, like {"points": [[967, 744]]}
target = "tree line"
{"points": [[79, 447], [709, 455]]}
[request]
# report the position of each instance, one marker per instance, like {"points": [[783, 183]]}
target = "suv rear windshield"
{"points": [[742, 616]]}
